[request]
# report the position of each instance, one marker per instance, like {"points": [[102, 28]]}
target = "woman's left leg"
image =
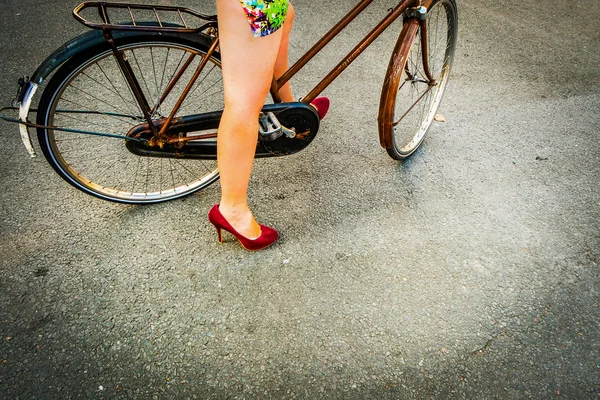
{"points": [[321, 104], [282, 63]]}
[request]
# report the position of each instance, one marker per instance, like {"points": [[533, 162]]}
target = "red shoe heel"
{"points": [[267, 237], [220, 235]]}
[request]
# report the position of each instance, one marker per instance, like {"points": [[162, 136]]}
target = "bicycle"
{"points": [[131, 109]]}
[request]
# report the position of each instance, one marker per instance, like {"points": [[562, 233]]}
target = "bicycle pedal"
{"points": [[269, 128]]}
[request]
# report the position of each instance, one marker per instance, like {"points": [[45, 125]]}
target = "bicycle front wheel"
{"points": [[89, 93], [410, 99]]}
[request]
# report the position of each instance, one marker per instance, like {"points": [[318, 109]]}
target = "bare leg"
{"points": [[282, 63], [247, 74]]}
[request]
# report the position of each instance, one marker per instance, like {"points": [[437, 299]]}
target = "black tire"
{"points": [[411, 102], [88, 92]]}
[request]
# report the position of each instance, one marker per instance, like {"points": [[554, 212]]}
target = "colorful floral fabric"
{"points": [[265, 16]]}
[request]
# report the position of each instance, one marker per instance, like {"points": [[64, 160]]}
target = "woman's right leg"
{"points": [[248, 65]]}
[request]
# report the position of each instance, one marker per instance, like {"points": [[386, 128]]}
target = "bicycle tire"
{"points": [[408, 103], [91, 83]]}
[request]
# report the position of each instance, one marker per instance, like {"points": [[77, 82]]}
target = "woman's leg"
{"points": [[248, 64], [281, 66], [282, 63]]}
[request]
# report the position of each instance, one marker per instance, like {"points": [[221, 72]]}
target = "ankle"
{"points": [[234, 209], [238, 215], [242, 220]]}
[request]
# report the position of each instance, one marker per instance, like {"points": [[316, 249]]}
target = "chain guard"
{"points": [[301, 118]]}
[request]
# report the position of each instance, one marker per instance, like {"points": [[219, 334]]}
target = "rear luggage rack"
{"points": [[144, 17]]}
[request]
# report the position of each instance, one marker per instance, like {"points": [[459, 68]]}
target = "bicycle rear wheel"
{"points": [[90, 93], [409, 101]]}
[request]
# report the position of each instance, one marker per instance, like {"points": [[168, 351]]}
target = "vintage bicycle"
{"points": [[131, 109]]}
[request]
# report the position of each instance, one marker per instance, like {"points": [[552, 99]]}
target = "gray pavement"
{"points": [[469, 271]]}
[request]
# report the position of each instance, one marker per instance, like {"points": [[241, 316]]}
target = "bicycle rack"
{"points": [[143, 17]]}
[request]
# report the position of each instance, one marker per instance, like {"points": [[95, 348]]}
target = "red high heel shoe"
{"points": [[321, 104], [267, 237]]}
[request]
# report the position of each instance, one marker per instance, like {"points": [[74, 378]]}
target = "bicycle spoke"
{"points": [[212, 94], [86, 123], [141, 73], [171, 173], [198, 84], [154, 74], [186, 168], [139, 161], [410, 108], [125, 121], [125, 102], [93, 97], [162, 77], [120, 120], [176, 76], [175, 71], [204, 94], [103, 171], [113, 89], [181, 177], [435, 36]]}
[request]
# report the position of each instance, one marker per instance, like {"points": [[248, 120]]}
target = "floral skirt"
{"points": [[265, 16]]}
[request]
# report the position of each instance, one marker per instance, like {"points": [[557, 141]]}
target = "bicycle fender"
{"points": [[26, 95], [90, 39]]}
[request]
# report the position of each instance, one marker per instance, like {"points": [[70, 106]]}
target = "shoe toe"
{"points": [[322, 105]]}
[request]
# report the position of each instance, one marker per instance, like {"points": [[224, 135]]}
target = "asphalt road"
{"points": [[469, 271]]}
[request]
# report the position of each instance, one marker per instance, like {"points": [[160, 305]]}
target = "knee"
{"points": [[245, 106]]}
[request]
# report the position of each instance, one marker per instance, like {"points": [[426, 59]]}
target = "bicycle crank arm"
{"points": [[269, 128]]}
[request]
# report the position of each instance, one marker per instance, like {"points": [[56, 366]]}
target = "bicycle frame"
{"points": [[417, 17], [346, 61]]}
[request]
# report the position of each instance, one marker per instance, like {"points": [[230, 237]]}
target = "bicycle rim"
{"points": [[416, 100], [92, 95]]}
